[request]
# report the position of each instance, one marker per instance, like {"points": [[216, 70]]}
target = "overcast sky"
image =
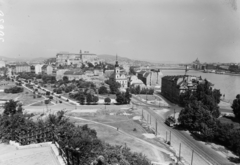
{"points": [[153, 30]]}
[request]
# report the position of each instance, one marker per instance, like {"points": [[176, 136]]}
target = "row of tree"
{"points": [[138, 90], [83, 98], [200, 116], [234, 68], [81, 137], [30, 76]]}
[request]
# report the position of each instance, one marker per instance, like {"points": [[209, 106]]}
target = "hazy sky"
{"points": [[153, 30]]}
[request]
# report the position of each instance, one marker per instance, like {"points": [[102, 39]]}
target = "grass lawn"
{"points": [[6, 84], [112, 136], [41, 103], [230, 120], [28, 98], [124, 123], [8, 96]]}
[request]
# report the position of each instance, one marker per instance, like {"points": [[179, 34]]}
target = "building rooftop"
{"points": [[71, 72]]}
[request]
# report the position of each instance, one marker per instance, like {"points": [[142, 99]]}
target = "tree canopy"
{"points": [[114, 86], [236, 107]]}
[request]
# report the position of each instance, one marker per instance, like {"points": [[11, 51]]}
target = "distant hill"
{"points": [[23, 59], [38, 60], [50, 60], [122, 60], [7, 58]]}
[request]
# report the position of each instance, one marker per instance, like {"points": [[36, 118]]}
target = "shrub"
{"points": [[15, 89], [46, 101]]}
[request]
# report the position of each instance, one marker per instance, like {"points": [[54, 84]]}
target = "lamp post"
{"points": [[174, 113], [146, 94]]}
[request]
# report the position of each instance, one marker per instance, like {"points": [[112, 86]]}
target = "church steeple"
{"points": [[116, 65]]}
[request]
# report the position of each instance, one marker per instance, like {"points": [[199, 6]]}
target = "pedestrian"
{"points": [[117, 128]]}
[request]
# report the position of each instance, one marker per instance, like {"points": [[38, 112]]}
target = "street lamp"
{"points": [[146, 94], [174, 113]]}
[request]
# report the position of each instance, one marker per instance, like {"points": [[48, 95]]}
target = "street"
{"points": [[206, 153]]}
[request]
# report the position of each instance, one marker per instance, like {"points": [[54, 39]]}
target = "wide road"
{"points": [[209, 154]]}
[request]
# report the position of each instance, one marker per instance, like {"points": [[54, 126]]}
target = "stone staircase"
{"points": [[10, 155]]}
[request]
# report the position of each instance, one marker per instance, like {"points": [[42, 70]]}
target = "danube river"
{"points": [[228, 85]]}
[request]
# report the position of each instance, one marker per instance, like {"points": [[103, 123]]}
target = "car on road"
{"points": [[170, 121]]}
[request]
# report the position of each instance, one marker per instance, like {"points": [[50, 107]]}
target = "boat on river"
{"points": [[209, 71], [220, 72]]}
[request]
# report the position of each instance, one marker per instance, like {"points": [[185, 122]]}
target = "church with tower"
{"points": [[120, 75]]}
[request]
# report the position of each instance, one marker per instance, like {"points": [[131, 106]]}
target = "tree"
{"points": [[81, 98], [46, 101], [10, 107], [121, 98], [107, 100], [39, 76], [133, 90], [95, 99], [217, 95], [194, 116], [90, 65], [103, 90], [65, 79], [138, 89], [69, 89], [128, 96], [236, 107], [48, 93], [204, 94], [58, 91], [89, 98], [19, 108], [114, 86], [48, 78]]}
